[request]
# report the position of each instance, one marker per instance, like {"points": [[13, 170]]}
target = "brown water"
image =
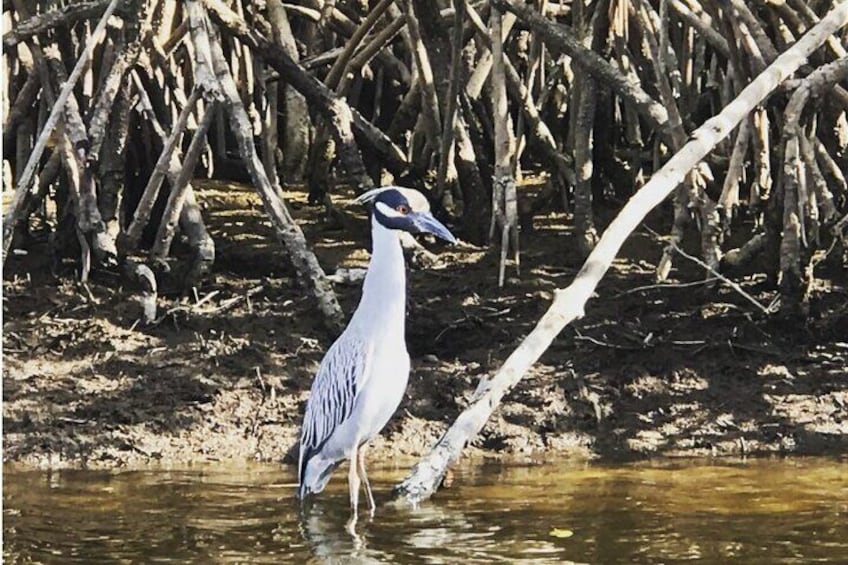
{"points": [[763, 511]]}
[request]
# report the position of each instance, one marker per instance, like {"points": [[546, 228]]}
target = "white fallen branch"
{"points": [[568, 304]]}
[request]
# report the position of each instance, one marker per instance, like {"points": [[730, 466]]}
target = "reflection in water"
{"points": [[765, 511], [325, 531]]}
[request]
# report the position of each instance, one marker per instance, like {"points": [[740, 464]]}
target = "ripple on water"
{"points": [[764, 510]]}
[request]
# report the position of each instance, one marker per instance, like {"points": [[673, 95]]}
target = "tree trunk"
{"points": [[504, 199]]}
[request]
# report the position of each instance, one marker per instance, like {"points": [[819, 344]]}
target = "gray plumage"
{"points": [[363, 376], [340, 379]]}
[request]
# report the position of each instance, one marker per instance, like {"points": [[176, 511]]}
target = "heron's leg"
{"points": [[353, 482], [365, 481]]}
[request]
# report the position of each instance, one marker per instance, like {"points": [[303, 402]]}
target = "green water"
{"points": [[761, 511]]}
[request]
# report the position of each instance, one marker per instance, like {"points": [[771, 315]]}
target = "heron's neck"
{"points": [[383, 303]]}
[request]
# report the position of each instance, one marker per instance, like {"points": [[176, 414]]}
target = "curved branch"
{"points": [[561, 39], [67, 15]]}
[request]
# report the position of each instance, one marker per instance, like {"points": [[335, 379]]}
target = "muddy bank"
{"points": [[674, 370]]}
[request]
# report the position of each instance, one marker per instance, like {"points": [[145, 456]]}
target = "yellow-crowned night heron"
{"points": [[363, 376]]}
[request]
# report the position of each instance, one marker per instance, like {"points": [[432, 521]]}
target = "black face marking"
{"points": [[405, 209], [399, 205], [393, 199]]}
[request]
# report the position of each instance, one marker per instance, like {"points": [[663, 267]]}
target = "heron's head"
{"points": [[404, 209]]}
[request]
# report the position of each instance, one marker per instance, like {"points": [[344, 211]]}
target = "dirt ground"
{"points": [[679, 369]]}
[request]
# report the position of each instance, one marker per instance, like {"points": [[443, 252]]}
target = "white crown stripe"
{"points": [[387, 211]]}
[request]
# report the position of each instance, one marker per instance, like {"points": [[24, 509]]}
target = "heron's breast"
{"points": [[384, 389]]}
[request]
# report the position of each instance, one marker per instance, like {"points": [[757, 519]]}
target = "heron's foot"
{"points": [[351, 525]]}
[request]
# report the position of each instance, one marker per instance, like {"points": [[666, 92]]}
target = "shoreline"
{"points": [[656, 372]]}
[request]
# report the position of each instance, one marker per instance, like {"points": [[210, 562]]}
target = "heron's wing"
{"points": [[340, 378]]}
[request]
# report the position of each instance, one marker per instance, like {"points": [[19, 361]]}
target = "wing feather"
{"points": [[337, 383]]}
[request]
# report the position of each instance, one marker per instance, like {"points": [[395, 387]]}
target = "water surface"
{"points": [[766, 511]]}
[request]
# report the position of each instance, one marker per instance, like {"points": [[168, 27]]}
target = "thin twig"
{"points": [[580, 336], [667, 285], [735, 286]]}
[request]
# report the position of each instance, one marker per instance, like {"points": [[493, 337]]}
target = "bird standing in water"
{"points": [[363, 376]]}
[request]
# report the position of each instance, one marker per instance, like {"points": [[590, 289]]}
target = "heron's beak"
{"points": [[425, 222]]}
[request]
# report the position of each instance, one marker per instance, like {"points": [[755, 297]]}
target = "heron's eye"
{"points": [[403, 209]]}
